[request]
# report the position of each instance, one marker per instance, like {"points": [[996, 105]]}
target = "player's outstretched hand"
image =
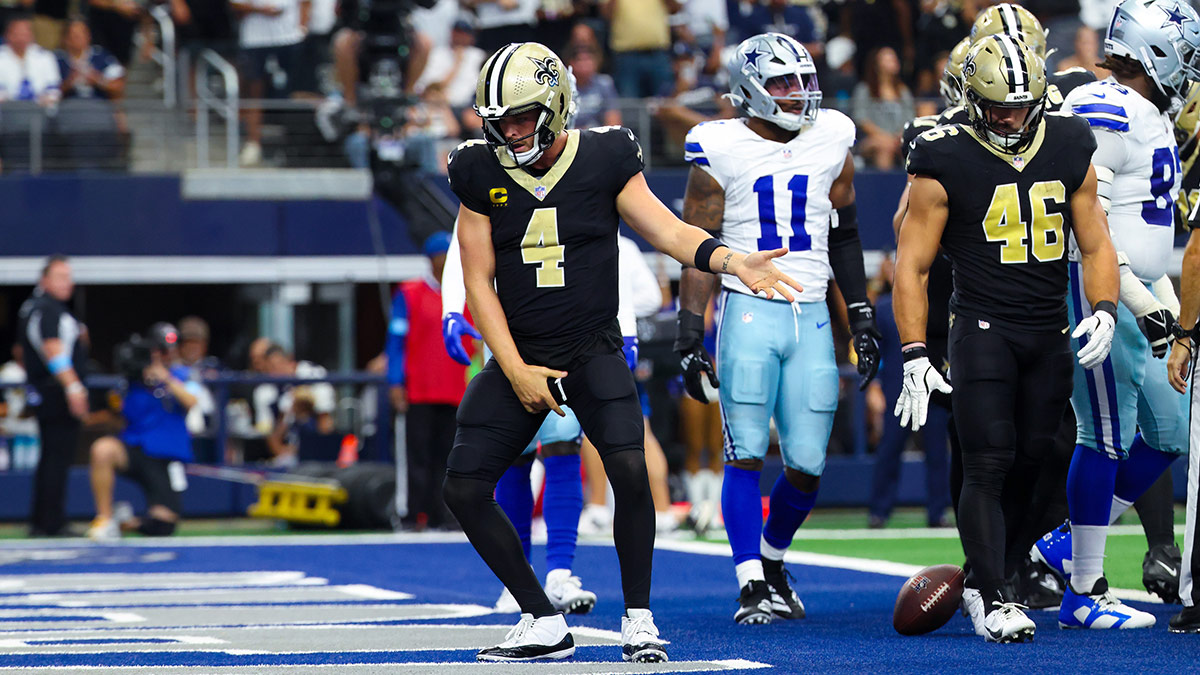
{"points": [[761, 276], [1179, 364], [1099, 329], [532, 386], [920, 380], [454, 326]]}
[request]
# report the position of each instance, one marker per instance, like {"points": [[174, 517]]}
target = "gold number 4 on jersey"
{"points": [[1003, 223], [540, 247]]}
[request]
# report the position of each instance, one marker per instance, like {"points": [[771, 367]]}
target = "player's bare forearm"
{"points": [[1189, 292], [650, 218], [901, 209], [479, 270], [704, 207], [1101, 278], [917, 245]]}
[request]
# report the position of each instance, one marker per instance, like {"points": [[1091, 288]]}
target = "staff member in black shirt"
{"points": [[56, 356]]}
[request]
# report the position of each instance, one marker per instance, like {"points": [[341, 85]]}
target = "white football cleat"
{"points": [[566, 593], [1007, 623], [506, 604], [533, 640], [639, 638]]}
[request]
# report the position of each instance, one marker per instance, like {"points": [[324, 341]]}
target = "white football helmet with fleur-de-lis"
{"points": [[762, 58]]}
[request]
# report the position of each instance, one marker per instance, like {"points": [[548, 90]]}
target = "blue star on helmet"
{"points": [[750, 59], [1175, 18]]}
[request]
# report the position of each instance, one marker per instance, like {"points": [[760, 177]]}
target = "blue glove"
{"points": [[454, 326], [630, 350]]}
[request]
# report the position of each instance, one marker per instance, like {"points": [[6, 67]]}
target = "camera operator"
{"points": [[376, 45], [155, 443], [54, 344]]}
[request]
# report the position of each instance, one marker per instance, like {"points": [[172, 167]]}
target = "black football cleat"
{"points": [[1160, 572], [785, 604], [1187, 621], [755, 604], [1036, 585]]}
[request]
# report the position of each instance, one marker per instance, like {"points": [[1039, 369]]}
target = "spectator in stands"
{"points": [[503, 21], [200, 25], [839, 79], [17, 422], [455, 68], [1086, 54], [151, 450], [270, 35], [751, 17], [425, 384], [88, 70], [702, 24], [55, 349], [640, 39], [113, 23], [314, 50], [353, 49], [301, 410], [873, 24], [27, 71], [431, 123], [264, 396], [882, 104], [597, 93], [940, 25], [49, 18]]}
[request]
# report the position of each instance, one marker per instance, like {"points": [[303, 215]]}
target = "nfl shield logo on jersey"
{"points": [[1019, 162], [540, 192], [787, 153]]}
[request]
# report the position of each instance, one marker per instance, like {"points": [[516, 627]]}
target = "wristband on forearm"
{"points": [[1106, 306], [704, 254], [59, 364], [913, 351]]}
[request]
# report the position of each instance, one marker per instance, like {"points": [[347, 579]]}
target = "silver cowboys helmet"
{"points": [[762, 61], [1162, 35]]}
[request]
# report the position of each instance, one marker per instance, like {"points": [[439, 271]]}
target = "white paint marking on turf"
{"points": [[121, 617], [373, 592], [432, 666], [815, 534]]}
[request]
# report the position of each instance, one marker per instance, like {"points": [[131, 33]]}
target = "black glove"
{"points": [[866, 340], [1157, 326], [693, 358]]}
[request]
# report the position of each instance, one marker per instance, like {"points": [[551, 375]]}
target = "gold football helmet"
{"points": [[951, 84], [1000, 73], [1014, 20], [519, 78]]}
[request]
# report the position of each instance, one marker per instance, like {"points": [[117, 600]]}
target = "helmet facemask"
{"points": [[1011, 141], [543, 136]]}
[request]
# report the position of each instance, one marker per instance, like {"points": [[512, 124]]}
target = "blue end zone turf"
{"points": [[848, 626]]}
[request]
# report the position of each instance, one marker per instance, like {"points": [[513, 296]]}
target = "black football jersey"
{"points": [[1009, 218], [913, 128], [555, 239]]}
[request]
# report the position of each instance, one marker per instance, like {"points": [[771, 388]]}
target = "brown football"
{"points": [[928, 599]]}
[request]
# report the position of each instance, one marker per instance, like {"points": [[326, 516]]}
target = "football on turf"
{"points": [[928, 599]]}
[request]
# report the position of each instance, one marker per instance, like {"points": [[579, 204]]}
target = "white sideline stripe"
{"points": [[679, 666], [373, 592], [177, 639], [924, 533]]}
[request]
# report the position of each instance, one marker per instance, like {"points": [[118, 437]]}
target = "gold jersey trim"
{"points": [[1019, 160], [555, 174]]}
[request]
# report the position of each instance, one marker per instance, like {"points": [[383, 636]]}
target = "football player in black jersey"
{"points": [[1001, 196], [538, 233]]}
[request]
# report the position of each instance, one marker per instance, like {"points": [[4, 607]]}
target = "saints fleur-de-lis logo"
{"points": [[547, 71]]}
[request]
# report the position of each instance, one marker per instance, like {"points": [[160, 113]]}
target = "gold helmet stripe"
{"points": [[494, 82]]}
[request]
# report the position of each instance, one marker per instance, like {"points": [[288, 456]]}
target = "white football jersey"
{"points": [[777, 194], [1137, 142]]}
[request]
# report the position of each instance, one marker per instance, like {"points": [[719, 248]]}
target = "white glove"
{"points": [[1099, 329], [920, 380]]}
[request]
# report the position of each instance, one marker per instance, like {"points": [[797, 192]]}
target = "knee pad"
{"points": [[153, 527]]}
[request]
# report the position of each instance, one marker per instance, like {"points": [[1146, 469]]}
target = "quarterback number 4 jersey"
{"points": [[1137, 142], [1009, 218], [554, 236], [776, 194]]}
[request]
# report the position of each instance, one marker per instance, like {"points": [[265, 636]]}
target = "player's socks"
{"points": [[789, 507], [562, 503], [1090, 483], [1143, 466], [514, 494], [742, 505]]}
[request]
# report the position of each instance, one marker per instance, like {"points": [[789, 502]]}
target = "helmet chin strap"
{"points": [[528, 157]]}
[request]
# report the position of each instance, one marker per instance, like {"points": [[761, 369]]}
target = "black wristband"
{"points": [[689, 330], [1106, 306], [704, 254], [848, 216], [915, 352]]}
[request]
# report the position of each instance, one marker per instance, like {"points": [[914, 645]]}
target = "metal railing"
{"points": [[166, 55], [227, 108]]}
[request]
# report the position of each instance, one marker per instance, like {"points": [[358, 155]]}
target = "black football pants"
{"points": [[1010, 391], [493, 430]]}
